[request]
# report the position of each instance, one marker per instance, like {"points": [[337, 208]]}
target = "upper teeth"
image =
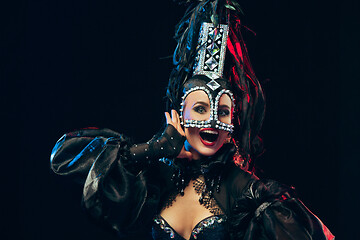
{"points": [[210, 131]]}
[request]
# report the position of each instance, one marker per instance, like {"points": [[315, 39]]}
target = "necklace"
{"points": [[206, 197]]}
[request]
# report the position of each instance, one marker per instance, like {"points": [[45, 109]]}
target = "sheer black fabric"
{"points": [[128, 201]]}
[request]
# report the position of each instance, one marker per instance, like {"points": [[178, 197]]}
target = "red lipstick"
{"points": [[210, 135]]}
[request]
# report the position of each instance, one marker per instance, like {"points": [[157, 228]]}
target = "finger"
{"points": [[168, 118], [174, 117], [177, 117], [178, 123], [180, 129]]}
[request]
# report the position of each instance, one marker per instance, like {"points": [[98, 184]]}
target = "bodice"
{"points": [[210, 228]]}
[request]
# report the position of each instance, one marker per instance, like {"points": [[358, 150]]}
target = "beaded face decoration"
{"points": [[207, 76], [214, 90]]}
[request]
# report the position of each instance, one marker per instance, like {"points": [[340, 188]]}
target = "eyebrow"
{"points": [[224, 105], [200, 102]]}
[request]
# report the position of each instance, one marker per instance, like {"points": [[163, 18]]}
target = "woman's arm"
{"points": [[119, 190]]}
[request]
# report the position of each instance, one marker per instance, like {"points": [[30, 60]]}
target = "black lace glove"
{"points": [[168, 145]]}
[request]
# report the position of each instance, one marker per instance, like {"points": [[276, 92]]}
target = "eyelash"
{"points": [[223, 112], [200, 109]]}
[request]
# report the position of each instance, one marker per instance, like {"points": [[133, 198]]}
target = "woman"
{"points": [[192, 180]]}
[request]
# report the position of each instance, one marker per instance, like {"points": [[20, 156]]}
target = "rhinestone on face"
{"points": [[213, 106]]}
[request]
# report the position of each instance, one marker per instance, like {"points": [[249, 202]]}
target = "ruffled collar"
{"points": [[208, 165], [210, 168]]}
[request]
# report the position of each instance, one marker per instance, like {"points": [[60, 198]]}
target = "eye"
{"points": [[223, 112], [200, 109]]}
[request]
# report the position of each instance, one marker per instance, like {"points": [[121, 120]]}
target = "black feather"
{"points": [[250, 100]]}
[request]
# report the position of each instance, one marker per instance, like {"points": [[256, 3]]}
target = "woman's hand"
{"points": [[174, 120]]}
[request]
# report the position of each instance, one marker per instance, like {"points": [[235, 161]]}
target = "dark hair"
{"points": [[249, 97]]}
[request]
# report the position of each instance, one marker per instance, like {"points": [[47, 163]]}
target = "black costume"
{"points": [[126, 186], [128, 199]]}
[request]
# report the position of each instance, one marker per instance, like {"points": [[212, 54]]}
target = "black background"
{"points": [[74, 64]]}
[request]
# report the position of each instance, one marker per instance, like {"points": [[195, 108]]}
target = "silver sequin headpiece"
{"points": [[211, 50], [209, 62]]}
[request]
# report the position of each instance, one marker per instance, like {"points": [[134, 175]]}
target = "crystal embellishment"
{"points": [[213, 85], [211, 63], [211, 50], [164, 226], [211, 222]]}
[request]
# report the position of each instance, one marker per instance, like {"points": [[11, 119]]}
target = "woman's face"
{"points": [[206, 141]]}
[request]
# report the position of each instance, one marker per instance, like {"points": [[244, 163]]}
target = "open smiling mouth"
{"points": [[208, 136]]}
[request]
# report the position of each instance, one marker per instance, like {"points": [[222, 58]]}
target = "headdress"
{"points": [[211, 56]]}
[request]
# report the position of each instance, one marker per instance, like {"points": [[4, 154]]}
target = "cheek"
{"points": [[187, 113], [190, 132], [192, 136], [226, 119], [223, 135]]}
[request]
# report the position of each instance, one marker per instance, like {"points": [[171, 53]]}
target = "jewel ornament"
{"points": [[212, 48], [214, 91], [209, 61]]}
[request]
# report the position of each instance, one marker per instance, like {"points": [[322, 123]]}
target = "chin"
{"points": [[207, 152]]}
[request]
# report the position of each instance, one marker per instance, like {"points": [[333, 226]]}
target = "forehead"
{"points": [[196, 96]]}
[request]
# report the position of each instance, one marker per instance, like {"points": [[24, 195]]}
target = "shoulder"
{"points": [[245, 184], [237, 180]]}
